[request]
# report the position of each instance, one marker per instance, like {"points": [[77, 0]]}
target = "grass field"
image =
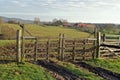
{"points": [[79, 71], [37, 30], [27, 71], [109, 64]]}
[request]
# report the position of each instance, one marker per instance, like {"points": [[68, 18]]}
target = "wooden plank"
{"points": [[111, 40], [78, 41], [91, 39], [48, 37], [41, 50], [29, 37]]}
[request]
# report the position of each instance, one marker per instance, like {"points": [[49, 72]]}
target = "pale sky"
{"points": [[93, 11]]}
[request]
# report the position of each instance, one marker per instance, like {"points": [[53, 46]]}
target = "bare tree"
{"points": [[37, 20]]}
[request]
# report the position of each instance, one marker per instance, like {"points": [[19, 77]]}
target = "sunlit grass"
{"points": [[27, 71], [110, 64], [7, 42]]}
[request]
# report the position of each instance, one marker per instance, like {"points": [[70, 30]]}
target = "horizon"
{"points": [[85, 11], [58, 19]]}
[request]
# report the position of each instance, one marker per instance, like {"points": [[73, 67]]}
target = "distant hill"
{"points": [[6, 19]]}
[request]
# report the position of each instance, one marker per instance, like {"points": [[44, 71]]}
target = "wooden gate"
{"points": [[110, 45], [61, 48]]}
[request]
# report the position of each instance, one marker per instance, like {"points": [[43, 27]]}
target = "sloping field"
{"points": [[37, 30]]}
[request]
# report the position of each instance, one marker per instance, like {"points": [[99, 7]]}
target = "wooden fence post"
{"points": [[63, 47], [98, 44], [19, 35], [22, 54], [83, 55], [104, 37], [95, 43], [48, 49], [60, 46], [74, 45], [35, 50]]}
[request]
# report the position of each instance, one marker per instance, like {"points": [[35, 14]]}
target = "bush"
{"points": [[13, 22]]}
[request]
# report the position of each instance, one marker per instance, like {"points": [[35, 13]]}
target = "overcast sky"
{"points": [[94, 11]]}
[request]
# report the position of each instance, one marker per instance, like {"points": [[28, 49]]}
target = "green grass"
{"points": [[114, 30], [109, 64], [79, 71], [53, 31], [7, 42], [27, 71]]}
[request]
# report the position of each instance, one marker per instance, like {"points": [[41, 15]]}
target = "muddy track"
{"points": [[60, 70], [106, 74]]}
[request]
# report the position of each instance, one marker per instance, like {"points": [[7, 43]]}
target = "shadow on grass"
{"points": [[6, 61]]}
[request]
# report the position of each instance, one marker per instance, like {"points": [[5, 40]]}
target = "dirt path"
{"points": [[59, 70], [106, 74]]}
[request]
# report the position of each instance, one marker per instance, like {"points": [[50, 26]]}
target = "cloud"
{"points": [[19, 3], [58, 6], [65, 4], [15, 1], [77, 4]]}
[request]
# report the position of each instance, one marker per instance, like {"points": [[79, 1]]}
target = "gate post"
{"points": [[84, 45], [104, 37], [48, 49], [63, 47], [22, 54], [95, 43], [35, 50], [74, 52], [60, 46], [98, 45], [18, 41]]}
